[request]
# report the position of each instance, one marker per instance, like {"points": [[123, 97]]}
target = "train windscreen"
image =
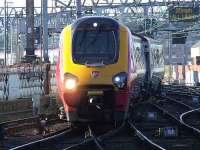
{"points": [[95, 46]]}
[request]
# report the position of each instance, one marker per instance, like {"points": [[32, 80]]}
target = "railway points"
{"points": [[162, 129], [191, 119]]}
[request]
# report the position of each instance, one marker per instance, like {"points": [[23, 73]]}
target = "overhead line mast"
{"points": [[30, 49]]}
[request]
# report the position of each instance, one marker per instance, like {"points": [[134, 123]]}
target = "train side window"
{"points": [[132, 61], [137, 57], [132, 56]]}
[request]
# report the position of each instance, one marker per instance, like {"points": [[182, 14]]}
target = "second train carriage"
{"points": [[101, 67], [155, 68]]}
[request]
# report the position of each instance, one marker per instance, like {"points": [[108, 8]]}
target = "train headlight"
{"points": [[70, 81], [120, 79], [70, 84]]}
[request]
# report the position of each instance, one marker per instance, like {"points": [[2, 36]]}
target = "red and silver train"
{"points": [[102, 68]]}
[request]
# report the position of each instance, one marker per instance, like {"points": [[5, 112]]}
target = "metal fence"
{"points": [[26, 80], [52, 75]]}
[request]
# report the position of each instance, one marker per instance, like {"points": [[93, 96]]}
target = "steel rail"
{"points": [[16, 112], [18, 120], [180, 118], [31, 144], [112, 132], [11, 123], [173, 121], [186, 124], [143, 137], [79, 144], [168, 111], [185, 90], [179, 102], [98, 139]]}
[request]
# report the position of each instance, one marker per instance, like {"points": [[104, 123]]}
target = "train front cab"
{"points": [[101, 90]]}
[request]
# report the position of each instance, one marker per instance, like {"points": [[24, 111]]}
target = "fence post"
{"points": [[47, 79], [36, 103]]}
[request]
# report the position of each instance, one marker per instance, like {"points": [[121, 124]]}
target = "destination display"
{"points": [[177, 14]]}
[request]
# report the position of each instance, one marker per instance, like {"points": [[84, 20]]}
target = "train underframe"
{"points": [[96, 104]]}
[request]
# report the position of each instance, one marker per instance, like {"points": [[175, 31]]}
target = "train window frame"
{"points": [[116, 37]]}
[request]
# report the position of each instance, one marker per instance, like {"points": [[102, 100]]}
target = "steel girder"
{"points": [[130, 12]]}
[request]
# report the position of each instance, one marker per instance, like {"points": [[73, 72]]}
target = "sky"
{"points": [[18, 3], [22, 3]]}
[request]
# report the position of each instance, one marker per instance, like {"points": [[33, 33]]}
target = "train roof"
{"points": [[87, 19], [145, 38], [152, 40], [115, 24], [137, 35]]}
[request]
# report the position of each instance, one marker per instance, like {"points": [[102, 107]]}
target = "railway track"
{"points": [[162, 130], [167, 124], [19, 132], [11, 127], [192, 119], [172, 107], [191, 100], [189, 117], [82, 139], [118, 138], [57, 141], [90, 142], [188, 95], [148, 129], [124, 137], [179, 110]]}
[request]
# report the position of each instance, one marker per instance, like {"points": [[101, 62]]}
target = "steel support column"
{"points": [[45, 30], [5, 32], [146, 16], [78, 8], [30, 50]]}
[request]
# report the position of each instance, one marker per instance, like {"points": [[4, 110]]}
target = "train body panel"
{"points": [[101, 67], [156, 60], [94, 80], [139, 66], [84, 71]]}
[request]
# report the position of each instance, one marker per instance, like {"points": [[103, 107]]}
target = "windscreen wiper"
{"points": [[101, 64]]}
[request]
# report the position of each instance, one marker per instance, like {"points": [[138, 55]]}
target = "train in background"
{"points": [[102, 67]]}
